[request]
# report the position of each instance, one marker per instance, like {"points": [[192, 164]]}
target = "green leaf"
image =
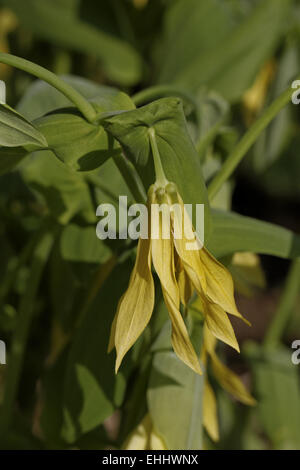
{"points": [[227, 60], [178, 154], [16, 131], [10, 157], [60, 23], [77, 143], [276, 385], [175, 402], [40, 98], [188, 35], [91, 388], [232, 232], [80, 244]]}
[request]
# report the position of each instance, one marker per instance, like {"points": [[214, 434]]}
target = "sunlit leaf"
{"points": [[232, 232], [175, 402]]}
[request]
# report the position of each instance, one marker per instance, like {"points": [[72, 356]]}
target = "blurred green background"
{"points": [[233, 57]]}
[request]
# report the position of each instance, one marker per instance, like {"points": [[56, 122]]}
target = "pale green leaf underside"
{"points": [[175, 402], [232, 232]]}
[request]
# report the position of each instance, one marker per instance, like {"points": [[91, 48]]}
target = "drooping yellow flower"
{"points": [[181, 270], [144, 437], [226, 378], [255, 97]]}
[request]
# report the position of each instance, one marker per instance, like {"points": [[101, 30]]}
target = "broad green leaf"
{"points": [[65, 192], [187, 36], [41, 98], [16, 131], [232, 232], [277, 389], [60, 23], [108, 186], [77, 143], [178, 154], [81, 244], [91, 388], [229, 64], [10, 157], [175, 402]]}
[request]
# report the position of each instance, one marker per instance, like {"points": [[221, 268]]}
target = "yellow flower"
{"points": [[181, 270], [255, 97], [226, 378], [144, 437]]}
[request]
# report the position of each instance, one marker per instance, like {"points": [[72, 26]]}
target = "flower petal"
{"points": [[231, 382], [220, 289], [143, 437], [210, 415], [190, 258], [136, 306], [209, 340], [219, 324], [185, 285], [139, 437], [163, 261]]}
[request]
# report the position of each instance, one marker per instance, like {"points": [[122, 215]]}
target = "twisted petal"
{"points": [[220, 289], [231, 382], [210, 415], [136, 306], [227, 379], [163, 261], [218, 323]]}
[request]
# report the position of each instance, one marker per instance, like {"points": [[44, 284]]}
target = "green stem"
{"points": [[161, 91], [77, 99], [159, 171], [131, 178], [247, 141], [25, 315], [285, 307]]}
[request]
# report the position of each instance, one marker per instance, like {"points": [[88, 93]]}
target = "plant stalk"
{"points": [[247, 141], [73, 95], [159, 171]]}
